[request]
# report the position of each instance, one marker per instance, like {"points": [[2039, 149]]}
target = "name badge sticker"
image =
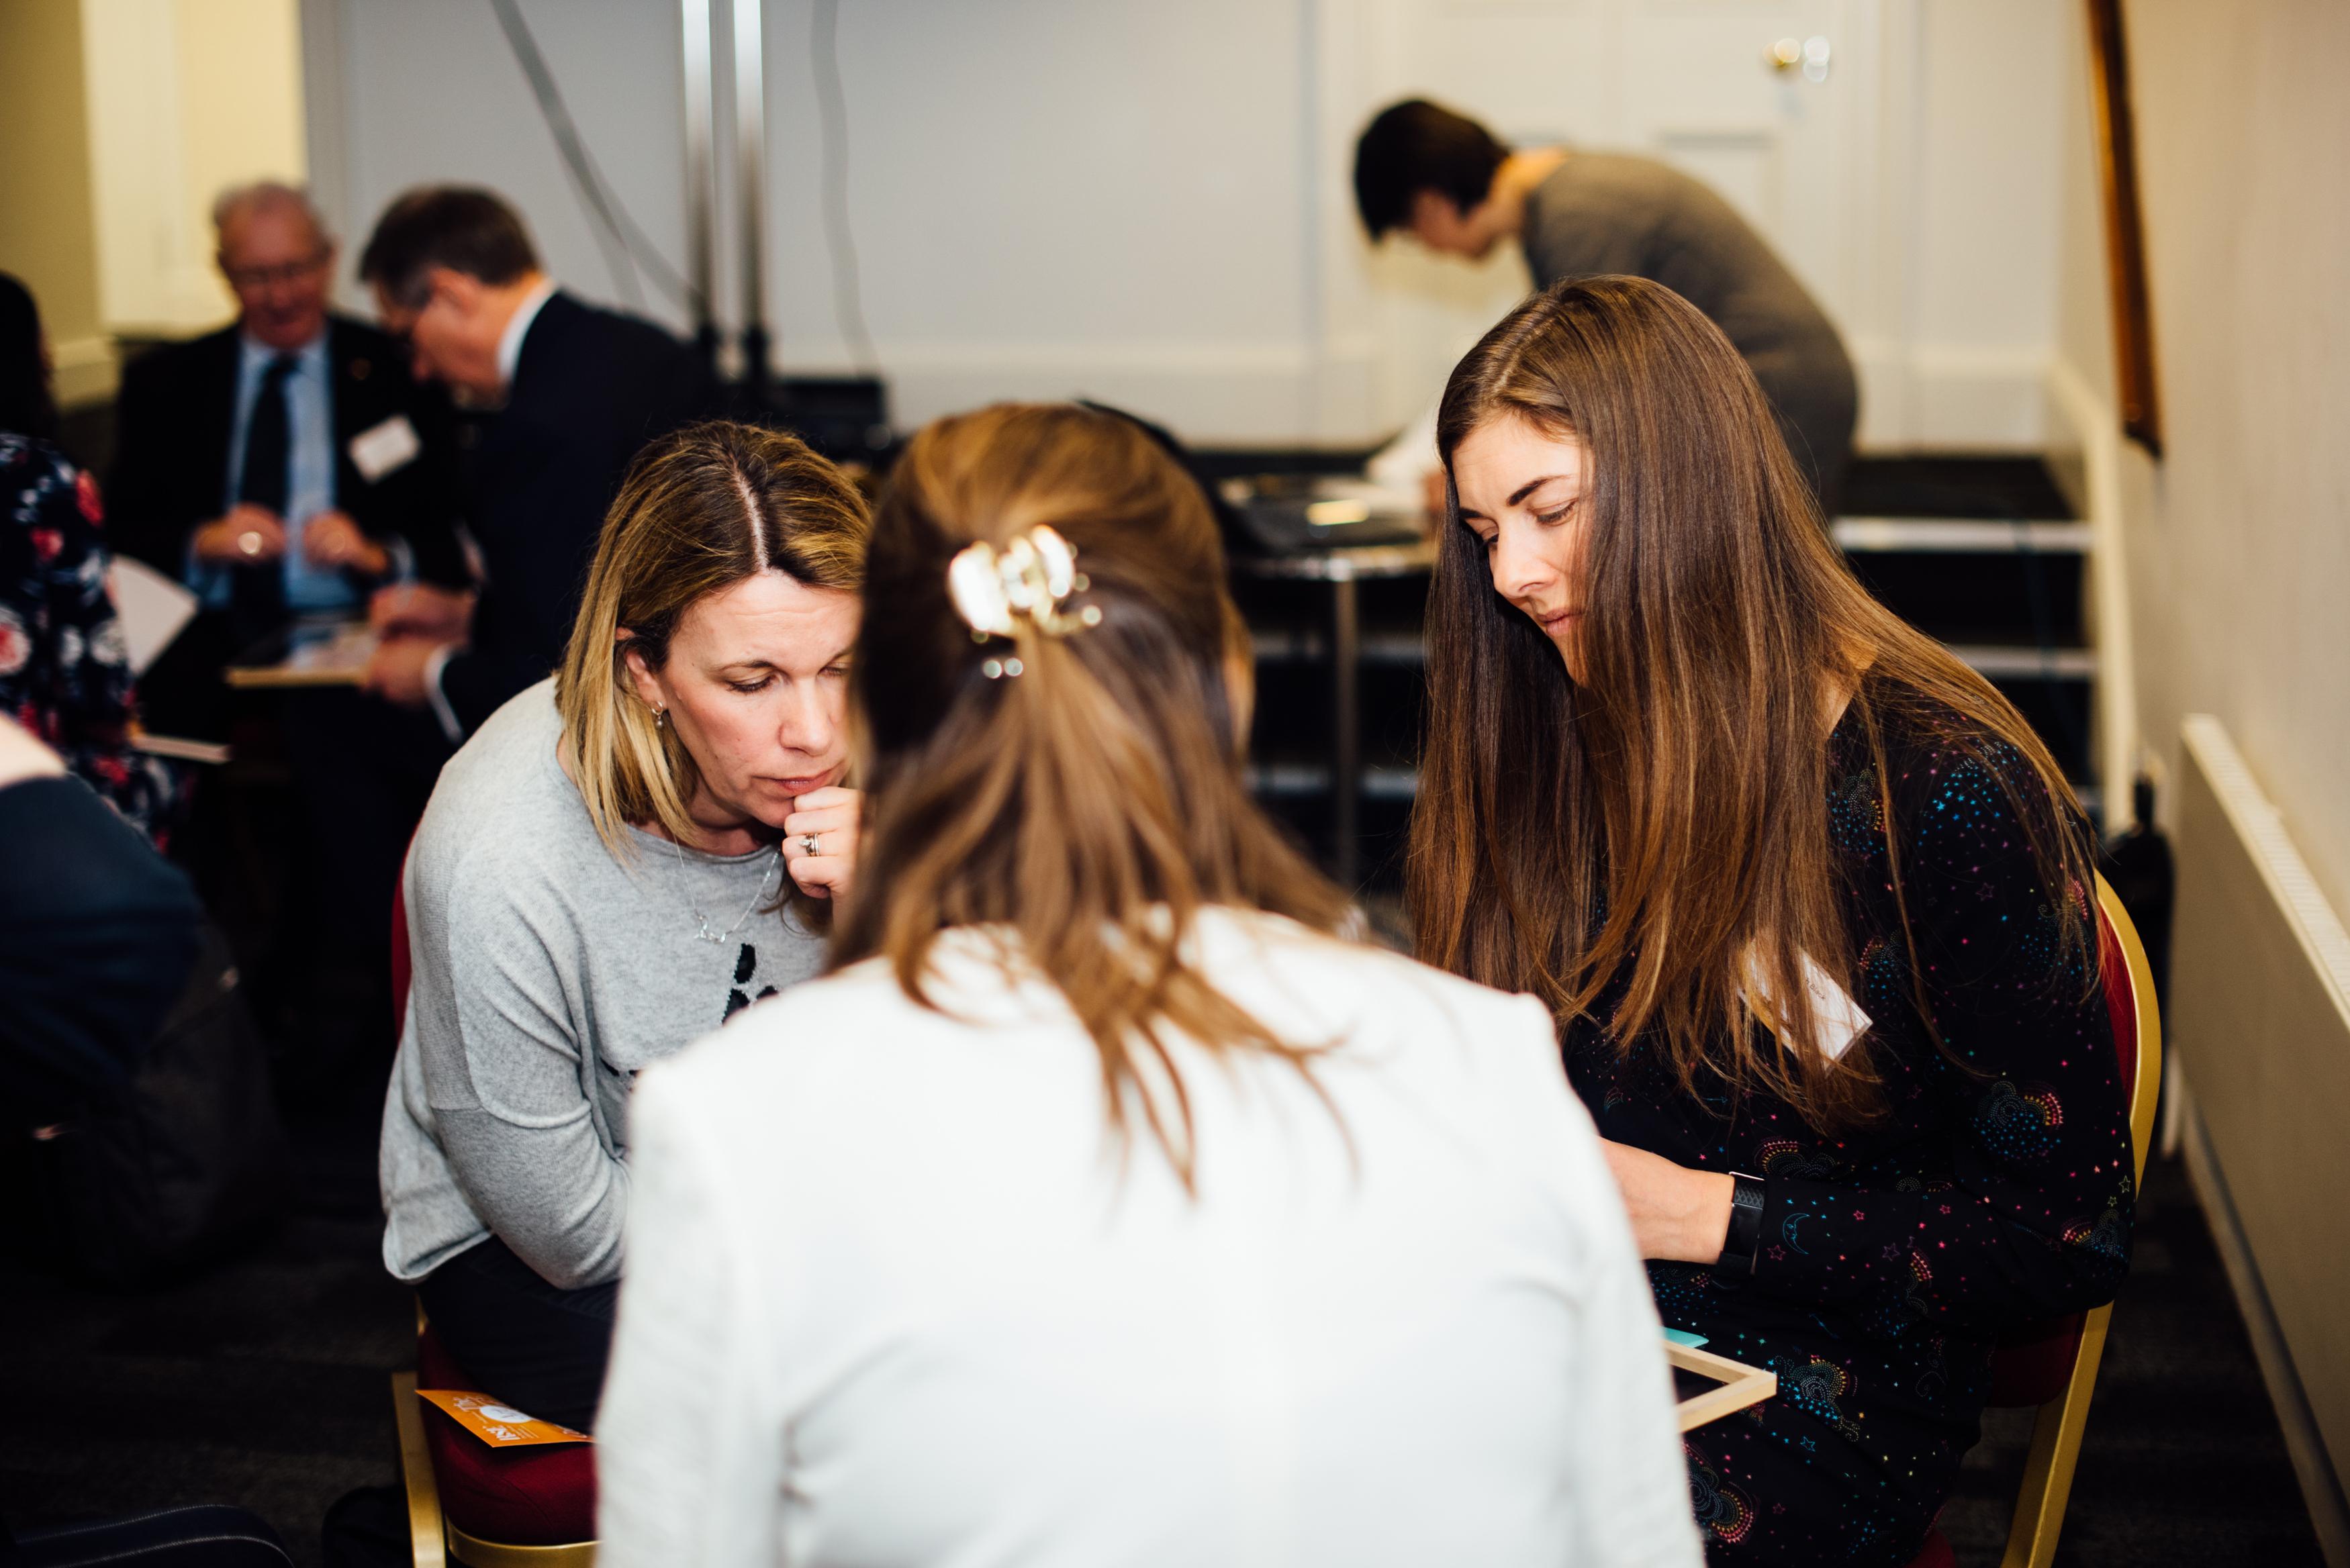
{"points": [[1838, 1016], [381, 449]]}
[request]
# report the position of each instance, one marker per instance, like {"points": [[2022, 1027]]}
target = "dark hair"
{"points": [[1654, 822], [25, 406], [455, 226], [1083, 791], [1415, 146]]}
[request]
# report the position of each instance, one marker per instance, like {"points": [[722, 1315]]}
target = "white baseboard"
{"points": [[2084, 431], [2259, 1022]]}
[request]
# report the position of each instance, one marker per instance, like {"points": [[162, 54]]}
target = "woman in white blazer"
{"points": [[1101, 1207]]}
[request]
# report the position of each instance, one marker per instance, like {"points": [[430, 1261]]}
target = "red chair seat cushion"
{"points": [[542, 1496], [2033, 1364], [1935, 1552]]}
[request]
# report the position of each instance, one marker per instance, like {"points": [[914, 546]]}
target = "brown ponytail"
{"points": [[1093, 802]]}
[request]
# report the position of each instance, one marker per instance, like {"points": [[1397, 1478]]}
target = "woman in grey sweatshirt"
{"points": [[622, 857]]}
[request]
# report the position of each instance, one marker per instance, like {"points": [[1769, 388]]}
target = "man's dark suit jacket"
{"points": [[590, 388], [176, 415]]}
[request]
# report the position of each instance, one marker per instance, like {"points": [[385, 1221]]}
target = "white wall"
{"points": [[47, 237], [1978, 97], [2238, 539], [185, 98], [2237, 543], [1052, 197], [1150, 203], [426, 91]]}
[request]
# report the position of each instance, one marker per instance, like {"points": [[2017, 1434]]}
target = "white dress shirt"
{"points": [[518, 329], [895, 1296], [310, 475]]}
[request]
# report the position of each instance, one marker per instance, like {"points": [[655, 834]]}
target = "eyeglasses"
{"points": [[264, 276]]}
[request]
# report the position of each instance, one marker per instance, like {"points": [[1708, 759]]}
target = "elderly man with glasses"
{"points": [[288, 465]]}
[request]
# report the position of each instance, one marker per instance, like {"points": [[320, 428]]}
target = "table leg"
{"points": [[1347, 732]]}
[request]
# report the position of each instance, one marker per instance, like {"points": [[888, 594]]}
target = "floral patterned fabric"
{"points": [[1995, 1192], [64, 673]]}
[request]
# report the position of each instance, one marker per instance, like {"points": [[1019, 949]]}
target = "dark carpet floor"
{"points": [[263, 1382], [2183, 1461]]}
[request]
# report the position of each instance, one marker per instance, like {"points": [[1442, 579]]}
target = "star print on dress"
{"points": [[1991, 1191]]}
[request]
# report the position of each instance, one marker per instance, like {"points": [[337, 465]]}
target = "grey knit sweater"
{"points": [[546, 974]]}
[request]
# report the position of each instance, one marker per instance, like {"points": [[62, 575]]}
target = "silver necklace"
{"points": [[703, 920]]}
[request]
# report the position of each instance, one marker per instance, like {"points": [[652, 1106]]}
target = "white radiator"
{"points": [[2260, 1024]]}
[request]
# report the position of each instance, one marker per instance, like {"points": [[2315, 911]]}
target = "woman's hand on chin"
{"points": [[1678, 1215], [829, 816]]}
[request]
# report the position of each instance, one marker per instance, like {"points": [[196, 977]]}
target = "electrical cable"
{"points": [[624, 244], [832, 130], [551, 108]]}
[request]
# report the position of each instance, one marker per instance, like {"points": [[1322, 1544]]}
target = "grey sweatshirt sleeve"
{"points": [[504, 1075]]}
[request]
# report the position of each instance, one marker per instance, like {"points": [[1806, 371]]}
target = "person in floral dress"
{"points": [[64, 668]]}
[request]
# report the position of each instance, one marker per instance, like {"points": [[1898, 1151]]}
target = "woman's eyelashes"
{"points": [[836, 671]]}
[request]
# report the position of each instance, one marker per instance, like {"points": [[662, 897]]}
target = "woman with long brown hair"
{"points": [[1810, 903], [621, 858], [1100, 1206]]}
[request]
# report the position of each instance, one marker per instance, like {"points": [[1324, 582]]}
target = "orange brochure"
{"points": [[500, 1426]]}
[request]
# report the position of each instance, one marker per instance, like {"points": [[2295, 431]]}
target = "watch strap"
{"points": [[1738, 1249]]}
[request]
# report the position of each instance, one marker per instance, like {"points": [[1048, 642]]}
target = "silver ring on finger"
{"points": [[808, 842]]}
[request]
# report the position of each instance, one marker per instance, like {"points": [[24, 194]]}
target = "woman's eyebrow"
{"points": [[1531, 485]]}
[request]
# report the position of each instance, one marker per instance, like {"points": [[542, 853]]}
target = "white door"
{"points": [[1756, 100]]}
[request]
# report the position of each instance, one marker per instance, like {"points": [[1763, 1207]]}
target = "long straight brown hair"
{"points": [[1660, 823], [1092, 803]]}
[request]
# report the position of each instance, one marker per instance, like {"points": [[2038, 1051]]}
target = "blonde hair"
{"points": [[1088, 794], [700, 511]]}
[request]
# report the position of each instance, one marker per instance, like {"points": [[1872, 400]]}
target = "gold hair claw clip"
{"points": [[1031, 576]]}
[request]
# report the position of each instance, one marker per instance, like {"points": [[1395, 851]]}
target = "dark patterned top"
{"points": [[64, 672], [1990, 1196]]}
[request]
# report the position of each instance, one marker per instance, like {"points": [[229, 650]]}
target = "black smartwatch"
{"points": [[1745, 1238]]}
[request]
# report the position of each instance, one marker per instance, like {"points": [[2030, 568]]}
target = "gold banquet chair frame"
{"points": [[2056, 1431]]}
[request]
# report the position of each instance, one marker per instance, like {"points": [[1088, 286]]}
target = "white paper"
{"points": [[179, 747], [1835, 1014], [1344, 500], [379, 449], [150, 609]]}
